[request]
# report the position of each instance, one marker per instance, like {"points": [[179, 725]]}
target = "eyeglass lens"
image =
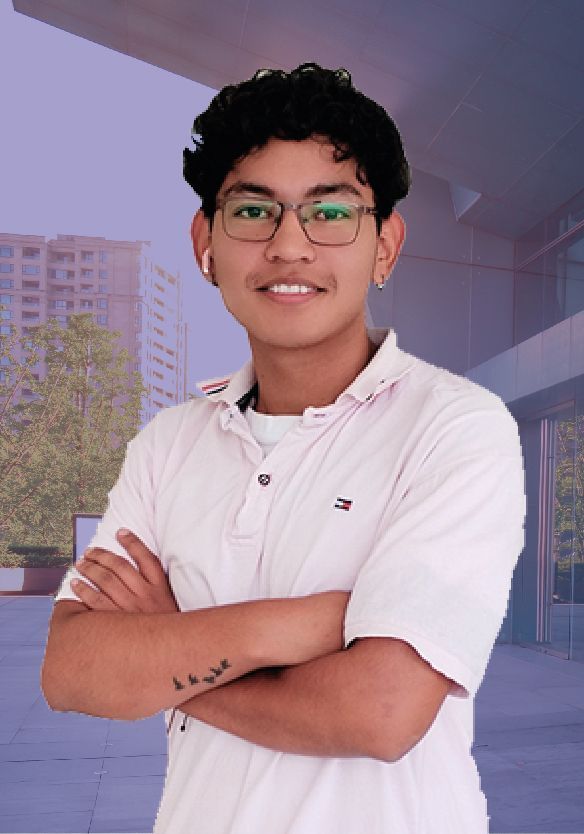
{"points": [[323, 222]]}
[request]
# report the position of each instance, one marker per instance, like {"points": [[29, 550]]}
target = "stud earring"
{"points": [[206, 267]]}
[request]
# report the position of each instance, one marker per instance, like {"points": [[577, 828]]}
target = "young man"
{"points": [[332, 463]]}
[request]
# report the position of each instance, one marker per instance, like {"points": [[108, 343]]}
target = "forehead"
{"points": [[291, 168]]}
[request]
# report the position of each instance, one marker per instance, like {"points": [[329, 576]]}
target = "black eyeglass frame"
{"points": [[296, 207]]}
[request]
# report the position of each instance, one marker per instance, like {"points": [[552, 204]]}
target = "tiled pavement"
{"points": [[63, 772]]}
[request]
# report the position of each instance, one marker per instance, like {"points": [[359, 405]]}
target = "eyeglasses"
{"points": [[325, 223]]}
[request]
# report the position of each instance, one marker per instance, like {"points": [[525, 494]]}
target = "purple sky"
{"points": [[92, 144]]}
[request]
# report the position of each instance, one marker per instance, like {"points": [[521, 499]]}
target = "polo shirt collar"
{"points": [[386, 367]]}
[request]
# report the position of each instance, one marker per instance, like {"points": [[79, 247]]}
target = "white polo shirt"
{"points": [[408, 490]]}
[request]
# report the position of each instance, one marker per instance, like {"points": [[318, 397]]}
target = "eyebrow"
{"points": [[320, 190]]}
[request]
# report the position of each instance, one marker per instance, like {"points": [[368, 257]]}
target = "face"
{"points": [[288, 170]]}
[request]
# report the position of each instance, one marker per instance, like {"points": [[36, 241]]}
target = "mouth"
{"points": [[291, 297]]}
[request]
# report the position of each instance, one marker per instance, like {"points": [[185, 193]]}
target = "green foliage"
{"points": [[61, 450], [568, 510], [10, 559]]}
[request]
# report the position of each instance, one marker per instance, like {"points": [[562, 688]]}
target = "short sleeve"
{"points": [[130, 504], [439, 575]]}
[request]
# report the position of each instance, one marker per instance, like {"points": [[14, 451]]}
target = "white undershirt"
{"points": [[268, 429]]}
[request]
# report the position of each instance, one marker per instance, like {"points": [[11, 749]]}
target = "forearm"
{"points": [[126, 665], [311, 709]]}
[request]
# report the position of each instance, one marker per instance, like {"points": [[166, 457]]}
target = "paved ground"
{"points": [[61, 772]]}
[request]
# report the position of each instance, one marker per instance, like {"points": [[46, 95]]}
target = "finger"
{"points": [[93, 599], [114, 577], [118, 565], [149, 564]]}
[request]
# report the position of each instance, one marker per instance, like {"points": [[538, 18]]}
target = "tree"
{"points": [[61, 448]]}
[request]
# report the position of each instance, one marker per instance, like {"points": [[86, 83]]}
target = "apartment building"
{"points": [[121, 283]]}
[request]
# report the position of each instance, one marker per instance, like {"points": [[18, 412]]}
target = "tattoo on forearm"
{"points": [[193, 679]]}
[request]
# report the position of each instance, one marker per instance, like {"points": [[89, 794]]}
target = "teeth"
{"points": [[294, 288]]}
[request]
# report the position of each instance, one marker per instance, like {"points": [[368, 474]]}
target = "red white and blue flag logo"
{"points": [[343, 503]]}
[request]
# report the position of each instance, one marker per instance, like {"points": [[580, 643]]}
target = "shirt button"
{"points": [[264, 479]]}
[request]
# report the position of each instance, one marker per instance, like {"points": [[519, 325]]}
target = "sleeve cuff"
{"points": [[441, 660]]}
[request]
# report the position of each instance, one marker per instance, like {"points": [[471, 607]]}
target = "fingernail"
{"points": [[123, 532]]}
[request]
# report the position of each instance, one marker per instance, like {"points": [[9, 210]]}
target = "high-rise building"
{"points": [[121, 283]]}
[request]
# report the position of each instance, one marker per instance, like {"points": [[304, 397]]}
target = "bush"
{"points": [[35, 549], [31, 556]]}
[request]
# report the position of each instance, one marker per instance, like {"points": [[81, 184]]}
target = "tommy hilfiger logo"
{"points": [[343, 503]]}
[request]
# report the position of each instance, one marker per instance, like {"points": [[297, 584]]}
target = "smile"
{"points": [[291, 295]]}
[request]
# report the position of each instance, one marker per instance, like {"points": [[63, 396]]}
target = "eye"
{"points": [[332, 211], [253, 211]]}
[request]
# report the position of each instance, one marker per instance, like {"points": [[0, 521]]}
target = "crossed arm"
{"points": [[376, 698]]}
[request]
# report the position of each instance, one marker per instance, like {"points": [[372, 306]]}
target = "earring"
{"points": [[381, 285], [206, 267]]}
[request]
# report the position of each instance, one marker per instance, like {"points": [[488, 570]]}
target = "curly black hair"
{"points": [[307, 102]]}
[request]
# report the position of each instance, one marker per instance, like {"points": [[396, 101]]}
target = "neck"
{"points": [[291, 379]]}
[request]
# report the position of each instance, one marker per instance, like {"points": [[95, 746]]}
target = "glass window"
{"points": [[5, 330], [86, 304], [63, 274], [86, 257], [64, 257], [6, 299], [102, 256], [102, 302], [30, 252], [5, 314], [31, 269], [103, 273], [28, 315], [86, 287], [101, 319], [4, 267], [30, 299], [6, 283], [6, 251], [102, 288], [30, 285], [87, 273]]}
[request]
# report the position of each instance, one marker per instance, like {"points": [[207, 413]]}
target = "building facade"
{"points": [[120, 283], [509, 314]]}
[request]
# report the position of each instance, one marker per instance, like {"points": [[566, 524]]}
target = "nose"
{"points": [[289, 242]]}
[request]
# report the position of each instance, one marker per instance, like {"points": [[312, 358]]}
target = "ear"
{"points": [[390, 242], [200, 236]]}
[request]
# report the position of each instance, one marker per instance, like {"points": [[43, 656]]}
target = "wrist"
{"points": [[281, 634]]}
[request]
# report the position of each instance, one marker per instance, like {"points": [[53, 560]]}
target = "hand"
{"points": [[121, 586]]}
